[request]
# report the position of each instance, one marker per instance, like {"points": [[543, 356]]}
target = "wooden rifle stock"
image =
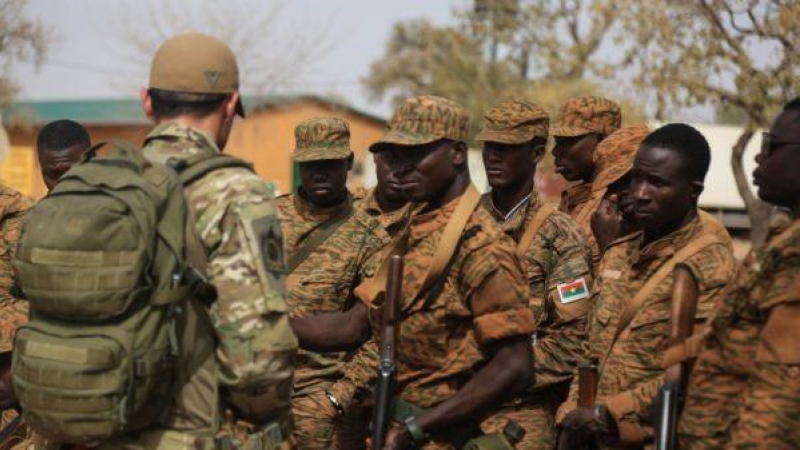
{"points": [[387, 370], [684, 308], [587, 385]]}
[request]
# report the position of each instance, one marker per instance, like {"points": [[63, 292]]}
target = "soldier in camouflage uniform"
{"points": [[13, 309], [464, 342], [238, 369], [385, 202], [556, 255], [582, 125], [744, 391], [323, 280], [666, 181]]}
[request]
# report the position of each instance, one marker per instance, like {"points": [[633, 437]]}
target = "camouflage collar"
{"points": [[177, 132], [575, 196], [516, 219], [669, 244]]}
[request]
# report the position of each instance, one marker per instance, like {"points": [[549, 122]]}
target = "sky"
{"points": [[86, 60]]}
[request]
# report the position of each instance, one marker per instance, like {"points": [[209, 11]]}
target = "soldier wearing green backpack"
{"points": [[155, 279]]}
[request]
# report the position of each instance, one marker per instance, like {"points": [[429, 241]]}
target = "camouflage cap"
{"points": [[195, 63], [322, 138], [614, 155], [514, 122], [425, 119], [584, 115]]}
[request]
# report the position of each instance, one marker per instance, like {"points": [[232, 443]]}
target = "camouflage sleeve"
{"points": [[360, 374], [770, 410], [238, 223], [560, 342], [14, 309]]}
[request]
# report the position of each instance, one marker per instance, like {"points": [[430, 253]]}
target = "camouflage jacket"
{"points": [[557, 256], [745, 387], [233, 212], [13, 310], [324, 281], [580, 202], [631, 371], [442, 339]]}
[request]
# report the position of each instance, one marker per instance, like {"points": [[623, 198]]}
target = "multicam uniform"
{"points": [[578, 117], [243, 342], [13, 310], [557, 257], [744, 391], [631, 367]]}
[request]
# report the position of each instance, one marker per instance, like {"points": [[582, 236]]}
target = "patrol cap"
{"points": [[584, 115], [425, 119], [615, 154], [514, 122], [195, 63], [322, 138]]}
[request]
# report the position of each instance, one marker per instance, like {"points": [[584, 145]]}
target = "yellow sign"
{"points": [[19, 170]]}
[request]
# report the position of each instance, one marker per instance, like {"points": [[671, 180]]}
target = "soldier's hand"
{"points": [[606, 222], [578, 425], [398, 438]]}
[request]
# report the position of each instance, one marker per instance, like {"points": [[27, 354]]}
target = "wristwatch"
{"points": [[418, 435], [335, 403]]}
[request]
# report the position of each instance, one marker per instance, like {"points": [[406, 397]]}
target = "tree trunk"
{"points": [[758, 211]]}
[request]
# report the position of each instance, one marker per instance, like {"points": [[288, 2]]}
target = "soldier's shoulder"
{"points": [[562, 230], [13, 202], [229, 186], [483, 231]]}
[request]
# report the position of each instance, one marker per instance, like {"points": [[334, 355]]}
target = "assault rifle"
{"points": [[387, 370], [672, 393]]}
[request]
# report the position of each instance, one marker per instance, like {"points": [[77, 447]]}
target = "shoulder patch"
{"points": [[573, 291]]}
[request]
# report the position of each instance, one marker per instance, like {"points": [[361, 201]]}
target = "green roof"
{"points": [[128, 111]]}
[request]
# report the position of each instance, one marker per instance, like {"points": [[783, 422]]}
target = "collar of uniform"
{"points": [[574, 196], [309, 211], [786, 233], [520, 216], [669, 244], [176, 131], [433, 220]]}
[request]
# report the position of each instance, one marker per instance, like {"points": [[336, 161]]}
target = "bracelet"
{"points": [[335, 403], [418, 435]]}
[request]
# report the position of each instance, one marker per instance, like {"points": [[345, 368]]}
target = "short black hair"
{"points": [[171, 104], [687, 142], [62, 134], [793, 105]]}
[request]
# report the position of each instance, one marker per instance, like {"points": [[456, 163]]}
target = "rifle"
{"points": [[387, 370], [672, 393], [587, 393]]}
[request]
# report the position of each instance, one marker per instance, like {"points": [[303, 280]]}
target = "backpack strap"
{"points": [[319, 236], [196, 167], [634, 305], [539, 218]]}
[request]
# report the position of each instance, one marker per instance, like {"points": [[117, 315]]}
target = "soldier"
{"points": [[13, 313], [241, 359], [328, 241], [583, 124], [60, 144], [553, 254], [744, 391], [385, 201], [630, 318], [464, 343]]}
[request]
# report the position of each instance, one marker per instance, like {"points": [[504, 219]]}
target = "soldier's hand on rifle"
{"points": [[583, 423], [398, 438]]}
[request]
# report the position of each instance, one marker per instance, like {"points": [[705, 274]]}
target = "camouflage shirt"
{"points": [[580, 202], [745, 386], [557, 256], [13, 310], [325, 280], [631, 371], [254, 344], [442, 339]]}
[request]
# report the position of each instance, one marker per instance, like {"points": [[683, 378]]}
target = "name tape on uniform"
{"points": [[573, 291]]}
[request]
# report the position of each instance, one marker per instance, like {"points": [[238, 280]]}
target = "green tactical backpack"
{"points": [[103, 261]]}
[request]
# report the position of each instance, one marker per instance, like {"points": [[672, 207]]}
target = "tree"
{"points": [[735, 55], [22, 39], [273, 52]]}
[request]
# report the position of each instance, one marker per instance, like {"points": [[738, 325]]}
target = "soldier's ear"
{"points": [[230, 105], [350, 162], [459, 153], [697, 189], [147, 103]]}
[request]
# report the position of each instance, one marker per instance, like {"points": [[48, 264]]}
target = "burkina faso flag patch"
{"points": [[573, 291]]}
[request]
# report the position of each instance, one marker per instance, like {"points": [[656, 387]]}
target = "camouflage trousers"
{"points": [[535, 415], [317, 427]]}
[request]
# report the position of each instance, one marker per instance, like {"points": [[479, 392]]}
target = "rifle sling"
{"points": [[319, 236], [544, 212], [634, 305], [12, 427]]}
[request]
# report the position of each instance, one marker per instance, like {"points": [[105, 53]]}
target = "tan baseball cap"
{"points": [[322, 138], [584, 115], [514, 122], [425, 119], [196, 63]]}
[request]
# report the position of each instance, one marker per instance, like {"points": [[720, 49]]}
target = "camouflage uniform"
{"points": [[442, 339], [558, 255], [13, 310], [744, 391], [323, 282], [580, 116], [631, 371]]}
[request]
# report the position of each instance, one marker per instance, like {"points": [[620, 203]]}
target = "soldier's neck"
{"points": [[209, 125], [653, 235], [455, 190], [387, 204], [506, 198]]}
